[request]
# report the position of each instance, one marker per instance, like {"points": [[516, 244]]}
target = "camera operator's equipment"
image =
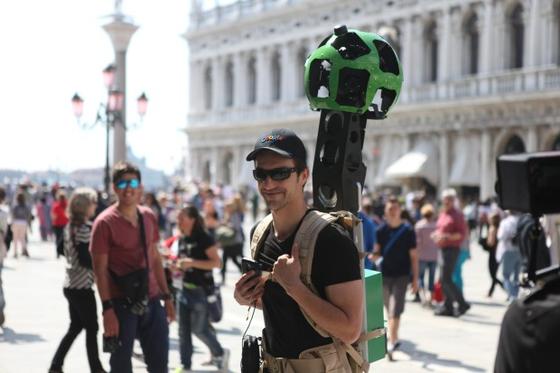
{"points": [[250, 354], [135, 285], [351, 77], [530, 183]]}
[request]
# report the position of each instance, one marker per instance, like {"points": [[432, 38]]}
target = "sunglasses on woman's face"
{"points": [[276, 174], [132, 183]]}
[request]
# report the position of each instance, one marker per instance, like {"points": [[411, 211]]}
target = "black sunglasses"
{"points": [[277, 174]]}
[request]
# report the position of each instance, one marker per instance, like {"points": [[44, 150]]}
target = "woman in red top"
{"points": [[59, 221]]}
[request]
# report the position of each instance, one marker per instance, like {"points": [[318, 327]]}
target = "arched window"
{"points": [[276, 77], [301, 58], [229, 84], [431, 52], [556, 143], [471, 45], [208, 88], [252, 81], [514, 145], [516, 31]]}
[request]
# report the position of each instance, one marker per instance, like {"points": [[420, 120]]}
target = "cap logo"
{"points": [[272, 138]]}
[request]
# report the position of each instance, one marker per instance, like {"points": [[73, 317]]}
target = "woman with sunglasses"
{"points": [[79, 281]]}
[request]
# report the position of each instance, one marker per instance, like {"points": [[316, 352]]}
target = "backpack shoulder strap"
{"points": [[259, 235], [306, 238]]}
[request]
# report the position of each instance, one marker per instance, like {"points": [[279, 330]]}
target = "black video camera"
{"points": [[529, 182]]}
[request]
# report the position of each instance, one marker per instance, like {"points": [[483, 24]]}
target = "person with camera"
{"points": [[79, 279], [130, 276], [197, 254], [293, 312]]}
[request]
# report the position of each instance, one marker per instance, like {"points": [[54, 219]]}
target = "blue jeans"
{"points": [[458, 271], [450, 290], [193, 318], [431, 267], [511, 265], [153, 332]]}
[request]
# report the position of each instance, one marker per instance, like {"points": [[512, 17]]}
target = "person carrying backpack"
{"points": [[396, 247], [306, 324]]}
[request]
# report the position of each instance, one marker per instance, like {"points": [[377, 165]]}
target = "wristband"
{"points": [[107, 305], [166, 296]]}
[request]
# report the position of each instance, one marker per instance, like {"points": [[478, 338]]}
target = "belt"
{"points": [[282, 365]]}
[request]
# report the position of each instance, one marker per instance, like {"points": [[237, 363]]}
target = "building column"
{"points": [[406, 61], [532, 140], [218, 80], [455, 55], [264, 77], [120, 31], [214, 160], [236, 166], [501, 50], [549, 55], [418, 53], [239, 80], [196, 83], [443, 28], [443, 160], [487, 166], [288, 65], [533, 34]]}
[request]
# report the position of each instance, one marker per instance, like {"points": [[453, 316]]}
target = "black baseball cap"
{"points": [[280, 141]]}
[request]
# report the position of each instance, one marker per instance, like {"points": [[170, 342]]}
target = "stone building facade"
{"points": [[482, 78]]}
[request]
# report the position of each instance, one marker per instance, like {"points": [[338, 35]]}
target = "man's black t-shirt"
{"points": [[396, 260], [195, 247], [530, 333], [335, 261]]}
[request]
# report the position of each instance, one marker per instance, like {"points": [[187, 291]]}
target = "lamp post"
{"points": [[109, 114]]}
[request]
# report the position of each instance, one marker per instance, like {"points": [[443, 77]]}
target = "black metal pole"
{"points": [[107, 178], [338, 169]]}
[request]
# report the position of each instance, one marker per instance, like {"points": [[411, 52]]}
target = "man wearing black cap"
{"points": [[293, 313]]}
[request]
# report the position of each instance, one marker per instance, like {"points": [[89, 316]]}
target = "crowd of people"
{"points": [[168, 245], [186, 229]]}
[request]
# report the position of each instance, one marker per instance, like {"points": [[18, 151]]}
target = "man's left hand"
{"points": [[170, 310], [287, 269]]}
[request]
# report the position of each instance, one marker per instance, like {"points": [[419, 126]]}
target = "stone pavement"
{"points": [[37, 317]]}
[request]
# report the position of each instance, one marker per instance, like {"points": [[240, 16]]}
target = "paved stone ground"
{"points": [[37, 317]]}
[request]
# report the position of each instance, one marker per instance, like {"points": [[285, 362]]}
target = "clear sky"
{"points": [[52, 49]]}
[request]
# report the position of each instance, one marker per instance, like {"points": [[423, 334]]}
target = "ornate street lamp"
{"points": [[108, 114]]}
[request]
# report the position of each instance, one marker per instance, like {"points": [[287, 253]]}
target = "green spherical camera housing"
{"points": [[353, 71]]}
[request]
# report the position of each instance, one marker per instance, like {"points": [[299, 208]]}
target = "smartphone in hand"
{"points": [[249, 264]]}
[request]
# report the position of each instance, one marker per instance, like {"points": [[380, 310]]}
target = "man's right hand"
{"points": [[249, 289], [110, 323]]}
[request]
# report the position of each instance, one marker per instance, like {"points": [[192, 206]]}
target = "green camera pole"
{"points": [[351, 77]]}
